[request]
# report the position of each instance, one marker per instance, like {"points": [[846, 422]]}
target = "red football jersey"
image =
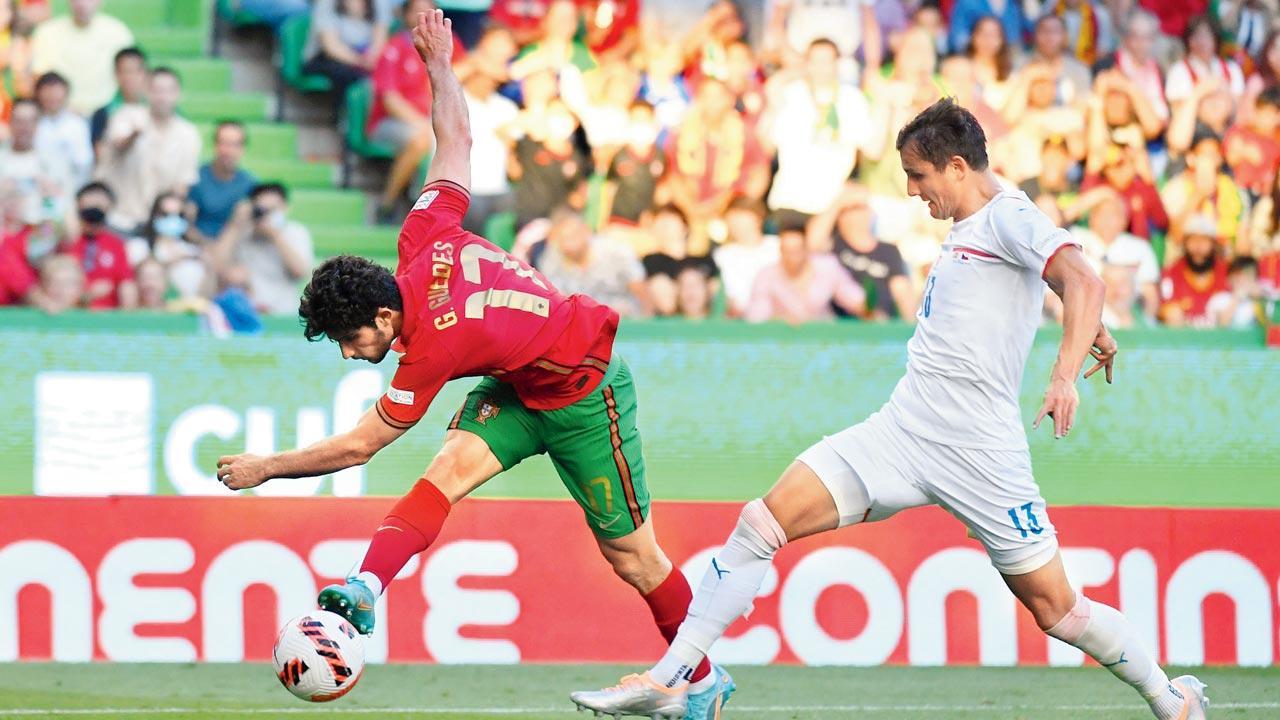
{"points": [[471, 309]]}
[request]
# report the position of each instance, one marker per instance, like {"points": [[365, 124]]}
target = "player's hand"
{"points": [[433, 38], [240, 472], [1060, 403], [1104, 351]]}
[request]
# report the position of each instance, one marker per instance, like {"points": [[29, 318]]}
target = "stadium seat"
{"points": [[228, 16], [500, 229], [293, 43], [356, 142]]}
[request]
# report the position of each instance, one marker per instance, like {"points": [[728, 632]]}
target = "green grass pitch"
{"points": [[539, 692]]}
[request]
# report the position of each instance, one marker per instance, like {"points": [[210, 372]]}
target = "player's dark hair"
{"points": [[134, 52], [344, 295], [51, 78], [94, 187], [269, 188], [942, 131]]}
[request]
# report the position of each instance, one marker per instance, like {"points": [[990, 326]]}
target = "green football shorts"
{"points": [[593, 443]]}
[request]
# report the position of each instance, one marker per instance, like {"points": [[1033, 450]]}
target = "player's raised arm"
{"points": [[433, 38], [1083, 334], [344, 450]]}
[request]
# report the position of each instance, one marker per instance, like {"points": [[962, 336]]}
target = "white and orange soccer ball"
{"points": [[318, 656]]}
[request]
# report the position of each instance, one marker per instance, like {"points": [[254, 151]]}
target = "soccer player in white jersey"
{"points": [[950, 435]]}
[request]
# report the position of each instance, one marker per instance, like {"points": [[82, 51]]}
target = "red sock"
{"points": [[407, 530], [669, 603]]}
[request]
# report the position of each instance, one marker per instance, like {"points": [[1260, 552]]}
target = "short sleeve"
{"points": [[440, 207], [412, 389], [1025, 236]]}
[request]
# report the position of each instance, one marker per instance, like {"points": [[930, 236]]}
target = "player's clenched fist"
{"points": [[239, 472], [433, 37]]}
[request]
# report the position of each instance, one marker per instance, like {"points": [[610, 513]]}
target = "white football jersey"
{"points": [[978, 316]]}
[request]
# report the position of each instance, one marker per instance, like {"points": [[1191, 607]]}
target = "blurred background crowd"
{"points": [[668, 158]]}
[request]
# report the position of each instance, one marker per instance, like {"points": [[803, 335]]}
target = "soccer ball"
{"points": [[318, 656]]}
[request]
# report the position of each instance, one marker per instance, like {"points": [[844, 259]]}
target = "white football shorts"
{"points": [[877, 468]]}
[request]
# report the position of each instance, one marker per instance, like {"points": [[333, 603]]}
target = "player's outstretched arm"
{"points": [[1083, 334], [355, 447], [433, 38]]}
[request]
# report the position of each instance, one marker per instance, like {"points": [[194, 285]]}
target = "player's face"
{"points": [[371, 343], [930, 184]]}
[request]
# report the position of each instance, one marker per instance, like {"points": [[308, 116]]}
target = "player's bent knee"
{"points": [[759, 529]]}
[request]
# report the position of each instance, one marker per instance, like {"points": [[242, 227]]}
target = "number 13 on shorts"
{"points": [[1032, 522]]}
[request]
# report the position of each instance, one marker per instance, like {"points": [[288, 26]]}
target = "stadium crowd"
{"points": [[734, 159]]}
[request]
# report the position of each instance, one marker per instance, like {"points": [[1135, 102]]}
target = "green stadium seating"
{"points": [[500, 229], [172, 41], [228, 11], [366, 240], [266, 140], [355, 140], [316, 208], [200, 74], [293, 42], [244, 106]]}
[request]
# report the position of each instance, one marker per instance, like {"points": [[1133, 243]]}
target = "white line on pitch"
{"points": [[750, 709]]}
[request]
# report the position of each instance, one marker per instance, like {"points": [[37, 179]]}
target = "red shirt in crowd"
{"points": [[102, 257], [1146, 210], [1269, 271], [716, 160], [400, 69], [471, 309], [17, 277], [1190, 291], [522, 17], [1254, 158]]}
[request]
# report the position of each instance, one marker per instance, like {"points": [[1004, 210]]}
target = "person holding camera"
{"points": [[266, 250]]}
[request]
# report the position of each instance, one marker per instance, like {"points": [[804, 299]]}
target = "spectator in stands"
{"points": [[576, 261], [1253, 154], [153, 285], [712, 157], [150, 150], [1054, 180], [706, 46], [41, 177], [62, 284], [663, 86], [1119, 112], [60, 131], [993, 56], [222, 182], [908, 89], [81, 47], [1200, 274], [549, 168], [522, 17], [1266, 73], [1135, 59], [849, 25], [107, 273], [1036, 117], [745, 252], [1264, 224], [1126, 170], [272, 252], [803, 286], [560, 51], [670, 255], [493, 118], [1203, 62], [164, 239], [694, 293], [346, 39], [818, 126], [401, 114], [131, 79], [274, 13], [965, 14], [1050, 51], [635, 170], [1240, 306], [847, 229], [1209, 108], [605, 113], [1084, 26], [612, 27], [1105, 243], [1203, 189]]}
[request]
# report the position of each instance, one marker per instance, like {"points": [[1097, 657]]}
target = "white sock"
{"points": [[372, 581], [726, 592], [1106, 636], [704, 684]]}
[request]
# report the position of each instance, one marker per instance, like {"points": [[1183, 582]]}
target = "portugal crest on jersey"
{"points": [[487, 410]]}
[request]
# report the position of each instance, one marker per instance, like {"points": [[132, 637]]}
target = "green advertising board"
{"points": [[97, 404]]}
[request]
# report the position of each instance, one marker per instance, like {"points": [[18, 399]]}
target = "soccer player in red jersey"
{"points": [[458, 306]]}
